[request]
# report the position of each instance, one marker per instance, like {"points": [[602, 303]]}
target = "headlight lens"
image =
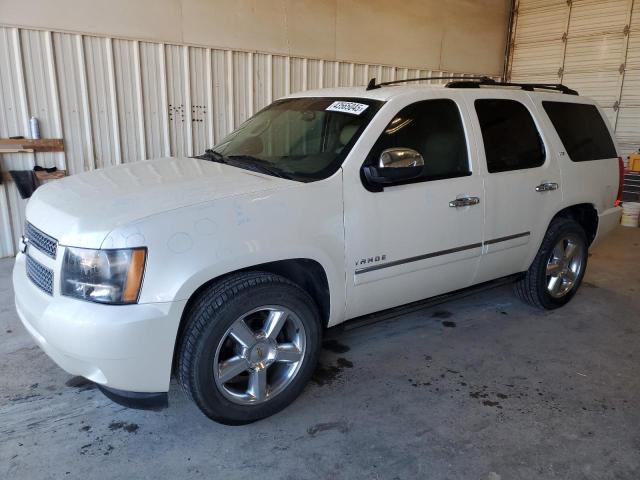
{"points": [[104, 276]]}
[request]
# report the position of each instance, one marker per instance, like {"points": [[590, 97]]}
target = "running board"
{"points": [[422, 304]]}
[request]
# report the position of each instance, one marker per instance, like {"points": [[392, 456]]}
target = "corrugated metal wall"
{"points": [[590, 45], [116, 100]]}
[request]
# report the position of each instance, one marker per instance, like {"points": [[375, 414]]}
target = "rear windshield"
{"points": [[305, 139], [582, 130]]}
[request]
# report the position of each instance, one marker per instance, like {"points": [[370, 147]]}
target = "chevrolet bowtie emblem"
{"points": [[24, 243]]}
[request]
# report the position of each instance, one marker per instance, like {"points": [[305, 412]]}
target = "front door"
{"points": [[418, 238]]}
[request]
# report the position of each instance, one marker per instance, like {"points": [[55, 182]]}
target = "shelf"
{"points": [[42, 176], [58, 174], [39, 145]]}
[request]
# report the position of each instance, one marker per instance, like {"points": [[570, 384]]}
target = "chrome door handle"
{"points": [[464, 202], [547, 187]]}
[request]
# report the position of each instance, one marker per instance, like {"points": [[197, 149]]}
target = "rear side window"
{"points": [[511, 139], [434, 129], [582, 130]]}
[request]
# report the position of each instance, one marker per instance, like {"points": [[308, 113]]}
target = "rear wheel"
{"points": [[249, 347], [557, 270]]}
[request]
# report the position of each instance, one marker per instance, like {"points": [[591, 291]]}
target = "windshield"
{"points": [[303, 139]]}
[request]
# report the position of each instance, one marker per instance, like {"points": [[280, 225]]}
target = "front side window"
{"points": [[303, 139], [582, 130], [434, 129], [510, 136]]}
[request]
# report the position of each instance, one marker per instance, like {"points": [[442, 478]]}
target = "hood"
{"points": [[82, 209]]}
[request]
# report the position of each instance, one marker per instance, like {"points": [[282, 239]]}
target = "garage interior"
{"points": [[481, 387]]}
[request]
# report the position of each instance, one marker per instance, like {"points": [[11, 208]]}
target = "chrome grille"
{"points": [[41, 276], [40, 240]]}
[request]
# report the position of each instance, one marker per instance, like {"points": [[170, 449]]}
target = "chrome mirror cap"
{"points": [[400, 158]]}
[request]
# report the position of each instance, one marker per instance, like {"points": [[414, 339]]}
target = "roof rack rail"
{"points": [[373, 85], [477, 82], [530, 87]]}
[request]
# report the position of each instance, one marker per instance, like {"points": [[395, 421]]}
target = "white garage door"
{"points": [[592, 46]]}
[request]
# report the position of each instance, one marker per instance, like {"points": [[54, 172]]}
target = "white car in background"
{"points": [[325, 206]]}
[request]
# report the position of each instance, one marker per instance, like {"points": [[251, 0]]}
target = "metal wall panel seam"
{"points": [[10, 123], [165, 99], [6, 232], [140, 106], [249, 85], [209, 89], [269, 78], [84, 93], [186, 70], [287, 75], [55, 101], [305, 66], [113, 100], [22, 89], [230, 112]]}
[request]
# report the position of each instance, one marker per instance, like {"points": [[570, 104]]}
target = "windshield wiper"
{"points": [[211, 154], [247, 162], [258, 165]]}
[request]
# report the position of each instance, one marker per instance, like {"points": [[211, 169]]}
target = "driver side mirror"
{"points": [[395, 165]]}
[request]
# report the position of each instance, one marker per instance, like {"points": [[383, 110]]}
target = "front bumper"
{"points": [[123, 347]]}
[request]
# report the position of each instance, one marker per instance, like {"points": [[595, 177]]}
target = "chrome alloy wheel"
{"points": [[259, 355], [564, 266]]}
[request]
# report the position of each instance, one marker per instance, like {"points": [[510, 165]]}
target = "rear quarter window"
{"points": [[582, 130]]}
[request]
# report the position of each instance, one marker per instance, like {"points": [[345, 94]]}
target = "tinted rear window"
{"points": [[511, 139], [582, 130]]}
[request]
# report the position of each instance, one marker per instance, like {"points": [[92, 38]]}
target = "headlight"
{"points": [[104, 276]]}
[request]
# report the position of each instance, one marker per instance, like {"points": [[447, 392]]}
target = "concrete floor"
{"points": [[478, 388]]}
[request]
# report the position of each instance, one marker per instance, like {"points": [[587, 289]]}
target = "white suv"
{"points": [[325, 206]]}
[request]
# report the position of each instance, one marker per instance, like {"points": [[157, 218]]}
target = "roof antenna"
{"points": [[372, 84]]}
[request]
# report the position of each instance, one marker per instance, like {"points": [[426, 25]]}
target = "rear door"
{"points": [[521, 180]]}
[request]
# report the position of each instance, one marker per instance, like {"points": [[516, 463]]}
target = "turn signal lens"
{"points": [[134, 276]]}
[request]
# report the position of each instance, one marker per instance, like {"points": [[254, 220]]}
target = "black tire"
{"points": [[532, 286], [208, 320]]}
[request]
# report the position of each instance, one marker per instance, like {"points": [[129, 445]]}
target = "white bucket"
{"points": [[630, 214]]}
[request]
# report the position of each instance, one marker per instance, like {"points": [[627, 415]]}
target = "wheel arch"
{"points": [[585, 214], [309, 274]]}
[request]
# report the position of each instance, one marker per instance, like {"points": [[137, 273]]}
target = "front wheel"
{"points": [[249, 347], [557, 270]]}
